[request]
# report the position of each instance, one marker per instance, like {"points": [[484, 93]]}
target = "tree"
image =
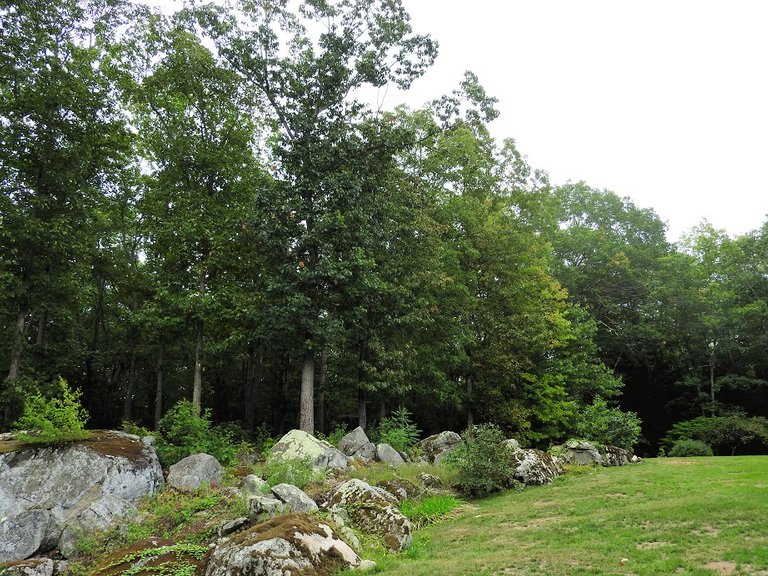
{"points": [[62, 140], [307, 68]]}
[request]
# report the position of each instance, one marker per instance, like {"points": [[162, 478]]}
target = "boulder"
{"points": [[399, 488], [193, 472], [252, 485], [295, 499], [435, 447], [372, 510], [353, 441], [430, 480], [230, 526], [268, 506], [290, 544], [299, 445], [534, 467], [581, 453], [615, 456], [388, 455], [366, 452], [511, 444], [48, 494]]}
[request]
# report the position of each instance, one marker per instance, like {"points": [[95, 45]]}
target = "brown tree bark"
{"points": [[307, 398], [252, 385], [159, 387]]}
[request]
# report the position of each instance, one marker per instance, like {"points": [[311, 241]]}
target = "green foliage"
{"points": [[298, 472], [686, 447], [337, 434], [602, 424], [429, 510], [136, 429], [398, 430], [58, 418], [726, 434], [183, 432], [481, 461]]}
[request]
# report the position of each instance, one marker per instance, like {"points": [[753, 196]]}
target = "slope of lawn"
{"points": [[692, 516]]}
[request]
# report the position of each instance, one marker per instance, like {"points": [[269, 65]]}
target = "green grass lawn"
{"points": [[692, 516]]}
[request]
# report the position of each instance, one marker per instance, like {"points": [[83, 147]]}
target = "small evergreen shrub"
{"points": [[398, 430], [59, 418], [481, 461], [183, 432], [687, 447]]}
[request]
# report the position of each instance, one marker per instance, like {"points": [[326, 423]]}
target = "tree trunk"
{"points": [[159, 389], [130, 388], [252, 385], [18, 345], [41, 329], [197, 385], [307, 398], [362, 412], [320, 392], [470, 414]]}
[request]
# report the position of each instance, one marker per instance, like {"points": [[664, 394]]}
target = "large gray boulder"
{"points": [[195, 471], [581, 453], [615, 456], [534, 467], [35, 567], [290, 544], [372, 510], [294, 498], [299, 445], [388, 455], [353, 441], [47, 494], [434, 448]]}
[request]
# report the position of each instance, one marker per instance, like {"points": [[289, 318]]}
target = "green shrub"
{"points": [[687, 447], [602, 424], [398, 430], [725, 434], [183, 432], [481, 461], [59, 418], [337, 434]]}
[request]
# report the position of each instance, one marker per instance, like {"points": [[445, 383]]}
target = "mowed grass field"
{"points": [[687, 516]]}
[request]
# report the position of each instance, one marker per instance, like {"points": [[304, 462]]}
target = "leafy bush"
{"points": [[605, 425], [183, 432], [723, 433], [59, 418], [398, 430], [686, 447], [337, 434], [481, 461]]}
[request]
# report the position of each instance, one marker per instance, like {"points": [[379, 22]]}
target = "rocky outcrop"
{"points": [[252, 485], [34, 567], [615, 456], [372, 510], [298, 445], [534, 467], [290, 544], [581, 453], [434, 448], [195, 471], [50, 495]]}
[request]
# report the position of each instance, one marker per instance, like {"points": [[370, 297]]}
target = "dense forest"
{"points": [[203, 206]]}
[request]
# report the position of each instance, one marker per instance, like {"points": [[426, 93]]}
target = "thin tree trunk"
{"points": [[320, 392], [362, 412], [41, 329], [159, 388], [470, 414], [18, 345], [197, 385], [307, 398], [130, 387], [252, 385]]}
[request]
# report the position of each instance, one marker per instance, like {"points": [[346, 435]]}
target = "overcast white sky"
{"points": [[664, 101]]}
